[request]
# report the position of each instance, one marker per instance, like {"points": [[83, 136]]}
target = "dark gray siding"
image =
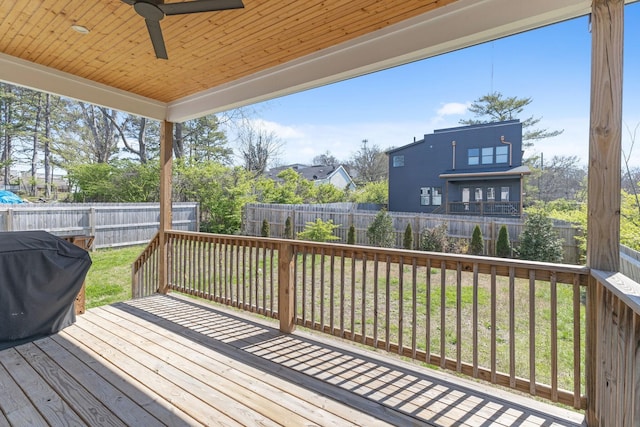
{"points": [[425, 160]]}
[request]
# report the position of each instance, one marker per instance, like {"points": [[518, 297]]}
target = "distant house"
{"points": [[473, 170], [319, 174]]}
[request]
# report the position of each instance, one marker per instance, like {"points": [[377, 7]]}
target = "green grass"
{"points": [[109, 278]]}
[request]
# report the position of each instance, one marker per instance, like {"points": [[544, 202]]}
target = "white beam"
{"points": [[37, 77]]}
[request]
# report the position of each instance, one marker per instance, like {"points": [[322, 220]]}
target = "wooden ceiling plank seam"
{"points": [[76, 58], [248, 60], [38, 24], [17, 26], [306, 29], [318, 13], [57, 25]]}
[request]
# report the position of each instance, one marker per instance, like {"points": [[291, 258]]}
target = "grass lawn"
{"points": [[109, 278]]}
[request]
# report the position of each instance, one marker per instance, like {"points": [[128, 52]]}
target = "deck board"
{"points": [[169, 360]]}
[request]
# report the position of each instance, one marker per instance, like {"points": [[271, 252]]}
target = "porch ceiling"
{"points": [[222, 60]]}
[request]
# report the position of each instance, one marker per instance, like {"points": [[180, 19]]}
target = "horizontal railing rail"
{"points": [[514, 323], [505, 208]]}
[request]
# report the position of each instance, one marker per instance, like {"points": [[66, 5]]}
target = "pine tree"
{"points": [[539, 241], [407, 242], [351, 235], [381, 232], [288, 231], [477, 242], [503, 246], [264, 232]]}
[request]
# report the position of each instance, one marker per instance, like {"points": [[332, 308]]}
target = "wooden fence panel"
{"points": [[112, 224], [347, 214]]}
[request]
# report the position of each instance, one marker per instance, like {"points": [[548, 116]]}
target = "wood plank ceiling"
{"points": [[205, 49]]}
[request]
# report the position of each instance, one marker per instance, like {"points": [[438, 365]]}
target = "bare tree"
{"points": [[257, 147], [561, 178], [631, 174], [326, 159], [369, 163]]}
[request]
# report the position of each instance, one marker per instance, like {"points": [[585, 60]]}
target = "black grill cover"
{"points": [[40, 277]]}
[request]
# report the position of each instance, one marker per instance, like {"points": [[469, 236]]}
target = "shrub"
{"points": [[319, 231], [539, 241], [381, 232], [407, 241], [503, 246], [264, 231], [477, 242], [351, 235], [288, 230], [435, 239]]}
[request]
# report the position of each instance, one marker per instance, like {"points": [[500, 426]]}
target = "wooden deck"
{"points": [[169, 360]]}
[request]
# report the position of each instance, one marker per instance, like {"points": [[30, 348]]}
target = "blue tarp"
{"points": [[7, 197]]}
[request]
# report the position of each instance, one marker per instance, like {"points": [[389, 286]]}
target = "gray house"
{"points": [[472, 170], [319, 174]]}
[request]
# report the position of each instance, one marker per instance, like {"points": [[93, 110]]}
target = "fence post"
{"points": [[286, 288], [92, 223], [9, 219]]}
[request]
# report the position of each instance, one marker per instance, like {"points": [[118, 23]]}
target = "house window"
{"points": [[474, 156], [487, 155], [478, 194], [501, 154], [504, 194], [425, 196], [437, 196], [491, 193], [398, 161]]}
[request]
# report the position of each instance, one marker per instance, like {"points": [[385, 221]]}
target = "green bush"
{"points": [[407, 241], [264, 231], [288, 230], [319, 231], [351, 235], [503, 246], [477, 242], [539, 241], [435, 239], [381, 232]]}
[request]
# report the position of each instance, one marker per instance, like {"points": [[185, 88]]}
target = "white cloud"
{"points": [[453, 108]]}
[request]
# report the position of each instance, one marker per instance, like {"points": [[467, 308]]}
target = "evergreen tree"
{"points": [[351, 236], [264, 231], [381, 232], [503, 246], [477, 242], [539, 241], [288, 230], [407, 241]]}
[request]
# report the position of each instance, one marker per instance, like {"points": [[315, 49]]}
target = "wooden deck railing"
{"points": [[144, 271], [614, 350], [513, 323]]}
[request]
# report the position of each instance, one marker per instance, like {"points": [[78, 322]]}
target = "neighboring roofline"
{"points": [[520, 170]]}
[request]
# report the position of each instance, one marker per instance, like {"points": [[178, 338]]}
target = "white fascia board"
{"points": [[37, 77], [458, 25]]}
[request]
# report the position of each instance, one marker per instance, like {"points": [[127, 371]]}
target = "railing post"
{"points": [[286, 288]]}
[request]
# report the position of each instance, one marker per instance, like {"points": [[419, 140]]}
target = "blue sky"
{"points": [[389, 108]]}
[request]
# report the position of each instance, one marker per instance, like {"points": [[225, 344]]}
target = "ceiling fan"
{"points": [[154, 10]]}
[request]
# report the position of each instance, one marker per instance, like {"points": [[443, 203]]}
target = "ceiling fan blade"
{"points": [[199, 6], [155, 32], [129, 2]]}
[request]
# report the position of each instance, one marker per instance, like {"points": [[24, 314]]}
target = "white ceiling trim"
{"points": [[37, 77], [461, 24]]}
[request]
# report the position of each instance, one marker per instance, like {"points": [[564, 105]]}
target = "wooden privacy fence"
{"points": [[111, 224], [347, 214], [515, 323]]}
